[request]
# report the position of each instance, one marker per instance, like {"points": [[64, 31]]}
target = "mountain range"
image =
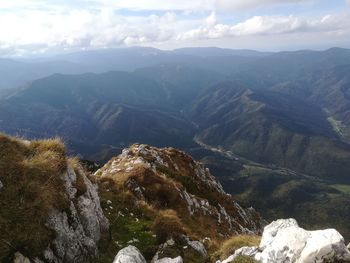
{"points": [[273, 127]]}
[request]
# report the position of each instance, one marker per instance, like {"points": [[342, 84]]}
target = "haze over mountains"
{"points": [[272, 125]]}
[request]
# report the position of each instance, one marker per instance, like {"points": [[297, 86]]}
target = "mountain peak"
{"points": [[166, 178]]}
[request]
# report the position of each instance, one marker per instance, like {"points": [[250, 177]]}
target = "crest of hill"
{"points": [[167, 179]]}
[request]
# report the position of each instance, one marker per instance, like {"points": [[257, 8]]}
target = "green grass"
{"points": [[344, 188], [128, 221]]}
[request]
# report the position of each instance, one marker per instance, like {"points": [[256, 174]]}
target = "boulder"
{"points": [[19, 258], [169, 260], [244, 251], [129, 254], [1, 185], [283, 241]]}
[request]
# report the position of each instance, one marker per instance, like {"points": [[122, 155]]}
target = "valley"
{"points": [[272, 127]]}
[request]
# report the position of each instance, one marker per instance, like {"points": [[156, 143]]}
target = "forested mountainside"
{"points": [[273, 127]]}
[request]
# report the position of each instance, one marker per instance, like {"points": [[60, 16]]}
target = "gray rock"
{"points": [[129, 254], [19, 258], [169, 260], [79, 229], [1, 185], [244, 251], [195, 247], [198, 247]]}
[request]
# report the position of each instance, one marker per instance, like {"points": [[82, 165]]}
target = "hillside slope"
{"points": [[272, 128], [110, 109], [164, 191], [50, 211]]}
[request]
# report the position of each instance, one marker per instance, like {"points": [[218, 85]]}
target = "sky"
{"points": [[39, 27]]}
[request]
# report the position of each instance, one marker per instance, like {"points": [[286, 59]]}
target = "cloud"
{"points": [[182, 5], [31, 26], [232, 5], [40, 31], [269, 25]]}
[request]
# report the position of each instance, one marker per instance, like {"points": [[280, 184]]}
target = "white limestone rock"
{"points": [[129, 254], [283, 241], [79, 229], [324, 244], [169, 260], [271, 230], [244, 251]]}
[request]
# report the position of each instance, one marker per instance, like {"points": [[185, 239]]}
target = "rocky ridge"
{"points": [[170, 179], [79, 230]]}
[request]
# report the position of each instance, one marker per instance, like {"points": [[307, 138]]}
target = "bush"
{"points": [[166, 225]]}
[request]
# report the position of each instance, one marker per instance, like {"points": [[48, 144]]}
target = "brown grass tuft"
{"points": [[31, 174], [166, 225], [229, 246], [79, 171]]}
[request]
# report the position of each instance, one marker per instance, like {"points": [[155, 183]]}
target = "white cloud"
{"points": [[208, 5], [35, 30], [269, 25], [82, 29], [232, 5]]}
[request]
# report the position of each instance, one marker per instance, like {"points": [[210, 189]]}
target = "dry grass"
{"points": [[32, 188], [229, 246], [166, 225], [244, 259], [79, 171]]}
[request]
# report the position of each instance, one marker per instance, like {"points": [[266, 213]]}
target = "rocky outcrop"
{"points": [[1, 185], [182, 245], [171, 179], [284, 241], [79, 229], [129, 254]]}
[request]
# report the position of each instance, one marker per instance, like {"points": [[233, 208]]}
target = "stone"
{"points": [[169, 260], [244, 251], [283, 241], [19, 258], [129, 254]]}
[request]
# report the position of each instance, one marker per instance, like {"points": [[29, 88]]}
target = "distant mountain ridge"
{"points": [[273, 127]]}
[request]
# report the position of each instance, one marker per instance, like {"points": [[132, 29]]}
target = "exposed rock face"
{"points": [[168, 178], [284, 241], [78, 230], [129, 254]]}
